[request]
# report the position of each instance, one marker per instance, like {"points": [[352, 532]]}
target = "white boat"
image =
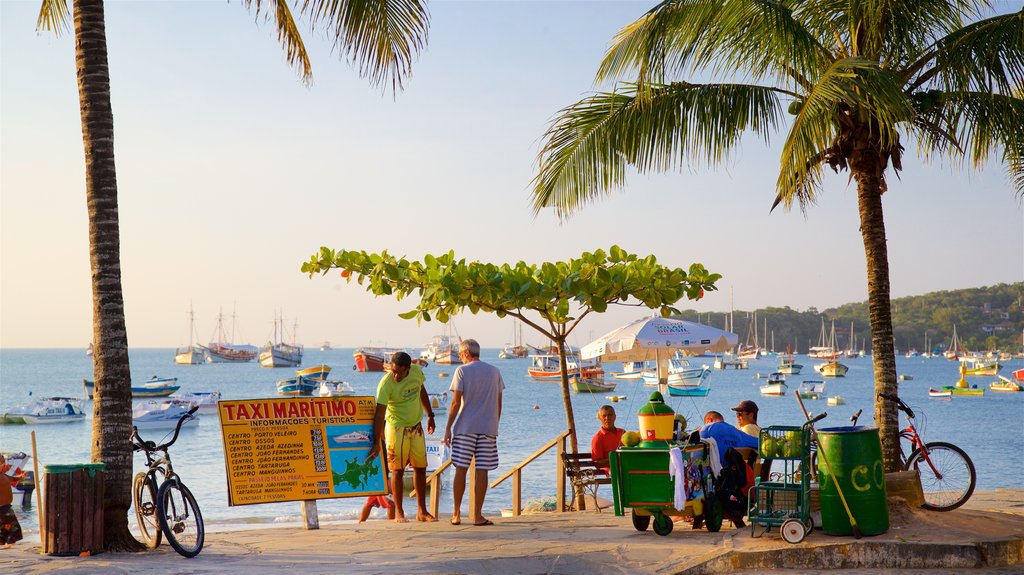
{"points": [[325, 346], [831, 369], [442, 349], [355, 437], [191, 355], [153, 387], [940, 393], [162, 414], [204, 399], [680, 374], [276, 353], [789, 367], [439, 402], [335, 389], [811, 389], [221, 351], [1005, 384], [955, 348], [826, 348], [53, 410], [631, 370], [776, 385], [836, 400]]}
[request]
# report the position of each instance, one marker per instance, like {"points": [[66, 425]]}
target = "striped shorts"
{"points": [[484, 447]]}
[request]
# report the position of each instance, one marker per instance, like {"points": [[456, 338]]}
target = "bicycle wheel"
{"points": [[180, 518], [144, 498], [951, 483]]}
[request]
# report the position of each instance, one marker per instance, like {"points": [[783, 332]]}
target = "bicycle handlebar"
{"points": [[151, 446], [899, 403]]}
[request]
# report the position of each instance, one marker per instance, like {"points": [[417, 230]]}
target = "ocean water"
{"points": [[989, 428]]}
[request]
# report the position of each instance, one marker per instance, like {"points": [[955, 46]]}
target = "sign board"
{"points": [[299, 448]]}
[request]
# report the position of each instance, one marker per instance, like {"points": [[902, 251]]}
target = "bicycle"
{"points": [[947, 473], [163, 505]]}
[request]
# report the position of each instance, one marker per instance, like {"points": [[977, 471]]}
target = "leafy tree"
{"points": [[381, 36], [560, 294], [860, 77]]}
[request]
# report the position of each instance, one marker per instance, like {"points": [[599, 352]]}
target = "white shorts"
{"points": [[466, 446]]}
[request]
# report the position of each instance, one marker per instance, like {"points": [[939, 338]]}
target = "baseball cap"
{"points": [[746, 405]]}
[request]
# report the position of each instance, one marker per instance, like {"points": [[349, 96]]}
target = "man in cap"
{"points": [[746, 418], [401, 402]]}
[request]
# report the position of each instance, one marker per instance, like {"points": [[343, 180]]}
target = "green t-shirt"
{"points": [[402, 397]]}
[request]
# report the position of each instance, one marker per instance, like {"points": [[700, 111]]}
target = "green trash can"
{"points": [[855, 454], [72, 518]]}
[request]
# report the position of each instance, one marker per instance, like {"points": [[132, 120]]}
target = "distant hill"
{"points": [[986, 318]]}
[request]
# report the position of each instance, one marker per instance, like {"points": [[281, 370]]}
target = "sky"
{"points": [[231, 174]]}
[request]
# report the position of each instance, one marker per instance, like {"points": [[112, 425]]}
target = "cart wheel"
{"points": [[662, 524], [713, 516], [809, 524], [793, 531], [640, 522]]}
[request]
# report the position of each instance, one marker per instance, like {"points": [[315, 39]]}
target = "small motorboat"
{"points": [[906, 377], [335, 389], [163, 414], [939, 393], [969, 391], [836, 400], [317, 372], [153, 387], [204, 399], [439, 402], [590, 385], [1005, 385], [831, 369], [811, 390], [776, 384], [297, 386], [51, 410]]}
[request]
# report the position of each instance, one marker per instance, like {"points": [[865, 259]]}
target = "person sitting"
{"points": [[735, 477], [725, 435], [746, 421], [606, 440]]}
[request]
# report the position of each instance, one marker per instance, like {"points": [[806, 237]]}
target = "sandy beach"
{"points": [[987, 535]]}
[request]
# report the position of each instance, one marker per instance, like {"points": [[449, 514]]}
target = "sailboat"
{"points": [[276, 353], [191, 355], [752, 350], [787, 366], [832, 367], [850, 351], [955, 349], [825, 348], [516, 349], [222, 351]]}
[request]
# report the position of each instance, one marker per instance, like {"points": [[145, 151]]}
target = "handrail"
{"points": [[529, 459]]}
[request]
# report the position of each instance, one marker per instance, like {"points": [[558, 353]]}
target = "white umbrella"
{"points": [[658, 338]]}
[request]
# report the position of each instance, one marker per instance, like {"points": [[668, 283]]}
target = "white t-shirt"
{"points": [[480, 384]]}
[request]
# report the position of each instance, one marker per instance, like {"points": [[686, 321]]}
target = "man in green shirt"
{"points": [[401, 401]]}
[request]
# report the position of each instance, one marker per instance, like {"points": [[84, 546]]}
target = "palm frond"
{"points": [[592, 142], [381, 38], [54, 16]]}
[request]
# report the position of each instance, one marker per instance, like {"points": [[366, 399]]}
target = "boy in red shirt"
{"points": [[607, 439]]}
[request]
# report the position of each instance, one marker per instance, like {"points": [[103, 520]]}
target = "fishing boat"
{"points": [[325, 346], [590, 385], [191, 355], [297, 386], [1005, 385], [318, 372], [153, 387], [373, 358], [220, 350], [1018, 375], [206, 400], [978, 366], [775, 385], [688, 390], [955, 348], [53, 410], [546, 366], [836, 400], [439, 402], [162, 414], [939, 393], [811, 390], [443, 349], [787, 366], [335, 389], [831, 369], [969, 391], [276, 353]]}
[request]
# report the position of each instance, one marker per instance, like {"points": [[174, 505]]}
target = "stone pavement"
{"points": [[986, 537]]}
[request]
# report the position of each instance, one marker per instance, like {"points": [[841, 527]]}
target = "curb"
{"points": [[867, 555]]}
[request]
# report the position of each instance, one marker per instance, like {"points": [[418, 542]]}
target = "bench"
{"points": [[584, 475]]}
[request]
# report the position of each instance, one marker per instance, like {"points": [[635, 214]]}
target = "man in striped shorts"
{"points": [[475, 411]]}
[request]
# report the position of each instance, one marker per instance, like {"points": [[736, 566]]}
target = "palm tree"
{"points": [[858, 76], [382, 37]]}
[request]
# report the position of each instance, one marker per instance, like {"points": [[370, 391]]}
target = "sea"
{"points": [[989, 428]]}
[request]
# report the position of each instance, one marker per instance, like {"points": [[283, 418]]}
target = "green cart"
{"points": [[641, 481], [785, 500]]}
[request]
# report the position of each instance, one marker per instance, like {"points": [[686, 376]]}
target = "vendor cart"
{"points": [[641, 481], [784, 502]]}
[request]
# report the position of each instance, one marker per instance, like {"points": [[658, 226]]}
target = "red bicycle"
{"points": [[947, 473]]}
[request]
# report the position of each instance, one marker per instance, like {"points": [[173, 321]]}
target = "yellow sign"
{"points": [[295, 449]]}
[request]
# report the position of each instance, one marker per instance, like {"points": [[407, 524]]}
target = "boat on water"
{"points": [[775, 385], [325, 346], [318, 372], [206, 400], [220, 350], [939, 393], [47, 410], [442, 349], [192, 354], [688, 390], [1018, 375], [297, 386], [968, 391], [831, 369], [374, 358], [787, 366], [590, 385], [439, 402], [276, 353], [680, 374], [335, 389], [836, 400], [546, 366], [163, 414], [979, 366], [1005, 385], [631, 370], [826, 348], [153, 387], [811, 390], [955, 348]]}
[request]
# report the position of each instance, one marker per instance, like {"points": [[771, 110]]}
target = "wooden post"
{"points": [[38, 479], [309, 514], [560, 476], [435, 495], [517, 493]]}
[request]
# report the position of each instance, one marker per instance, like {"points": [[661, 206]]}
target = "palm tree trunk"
{"points": [[112, 403], [868, 173]]}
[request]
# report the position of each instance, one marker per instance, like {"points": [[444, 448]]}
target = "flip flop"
{"points": [[486, 522], [454, 521]]}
